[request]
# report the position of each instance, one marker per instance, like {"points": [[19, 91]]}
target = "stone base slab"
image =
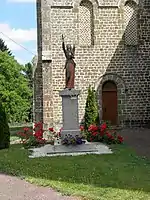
{"points": [[62, 150]]}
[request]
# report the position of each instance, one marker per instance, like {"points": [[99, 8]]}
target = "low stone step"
{"points": [[60, 150], [73, 148]]}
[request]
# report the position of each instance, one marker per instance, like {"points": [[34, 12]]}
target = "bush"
{"points": [[101, 134], [32, 137], [91, 109], [4, 129]]}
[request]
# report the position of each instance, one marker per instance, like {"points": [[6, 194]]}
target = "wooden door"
{"points": [[109, 102]]}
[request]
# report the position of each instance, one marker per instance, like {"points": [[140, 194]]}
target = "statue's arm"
{"points": [[64, 49], [74, 49], [63, 45]]}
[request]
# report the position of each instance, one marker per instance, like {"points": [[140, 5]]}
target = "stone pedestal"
{"points": [[70, 112]]}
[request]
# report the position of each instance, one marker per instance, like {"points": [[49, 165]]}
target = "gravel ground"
{"points": [[13, 188], [138, 139]]}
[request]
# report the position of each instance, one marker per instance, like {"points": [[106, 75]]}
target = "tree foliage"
{"points": [[4, 129], [28, 71], [14, 89], [91, 109], [3, 47]]}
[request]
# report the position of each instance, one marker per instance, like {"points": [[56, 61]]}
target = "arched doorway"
{"points": [[109, 102]]}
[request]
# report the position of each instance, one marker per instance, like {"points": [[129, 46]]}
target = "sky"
{"points": [[18, 22]]}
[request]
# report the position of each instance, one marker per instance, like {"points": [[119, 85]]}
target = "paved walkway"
{"points": [[12, 188], [138, 139]]}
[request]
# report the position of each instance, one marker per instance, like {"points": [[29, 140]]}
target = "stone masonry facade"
{"points": [[112, 39]]}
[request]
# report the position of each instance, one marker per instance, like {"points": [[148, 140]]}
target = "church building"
{"points": [[112, 54]]}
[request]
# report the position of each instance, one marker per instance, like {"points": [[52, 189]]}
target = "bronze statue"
{"points": [[70, 64]]}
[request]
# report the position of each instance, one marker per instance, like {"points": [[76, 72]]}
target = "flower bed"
{"points": [[102, 134], [34, 137]]}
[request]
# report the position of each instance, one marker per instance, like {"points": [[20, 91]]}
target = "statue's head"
{"points": [[68, 46]]}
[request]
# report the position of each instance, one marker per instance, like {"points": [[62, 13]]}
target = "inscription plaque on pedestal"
{"points": [[70, 112]]}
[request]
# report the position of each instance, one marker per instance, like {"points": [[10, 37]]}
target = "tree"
{"points": [[4, 129], [3, 47], [15, 92], [28, 71], [91, 109]]}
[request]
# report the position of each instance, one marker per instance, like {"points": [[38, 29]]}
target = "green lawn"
{"points": [[120, 176]]}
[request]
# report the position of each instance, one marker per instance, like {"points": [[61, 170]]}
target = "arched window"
{"points": [[131, 25], [86, 25]]}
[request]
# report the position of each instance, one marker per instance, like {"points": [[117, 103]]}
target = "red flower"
{"points": [[110, 136], [91, 139], [120, 138], [82, 128], [102, 133], [103, 127], [59, 134], [35, 125], [39, 125], [38, 134], [61, 129], [26, 129], [107, 134], [51, 129], [22, 134], [95, 133], [93, 128]]}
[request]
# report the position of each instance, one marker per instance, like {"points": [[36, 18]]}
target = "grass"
{"points": [[120, 176]]}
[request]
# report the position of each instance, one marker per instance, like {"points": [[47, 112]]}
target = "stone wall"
{"points": [[106, 58]]}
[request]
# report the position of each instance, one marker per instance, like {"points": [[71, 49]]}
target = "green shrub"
{"points": [[91, 109], [4, 129]]}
